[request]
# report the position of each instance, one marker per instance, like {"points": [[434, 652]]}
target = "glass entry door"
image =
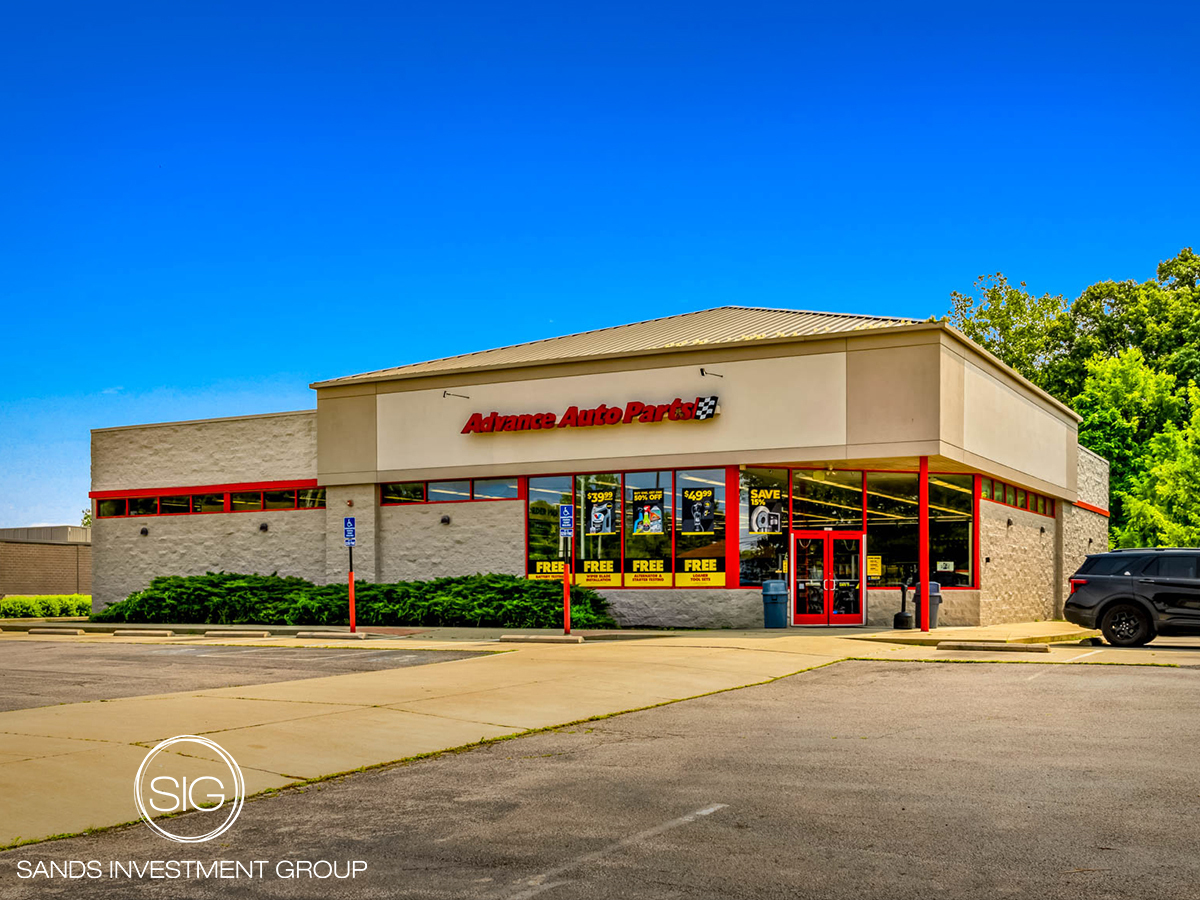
{"points": [[828, 586]]}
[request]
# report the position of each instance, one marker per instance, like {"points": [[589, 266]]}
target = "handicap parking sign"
{"points": [[348, 528], [566, 519]]}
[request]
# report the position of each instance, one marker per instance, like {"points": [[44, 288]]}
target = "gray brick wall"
{"points": [[959, 607], [1083, 532], [125, 561], [1093, 478], [275, 447], [1018, 574], [685, 608], [487, 536], [51, 568]]}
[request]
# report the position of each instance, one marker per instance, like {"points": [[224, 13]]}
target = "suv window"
{"points": [[1110, 564], [1172, 567]]}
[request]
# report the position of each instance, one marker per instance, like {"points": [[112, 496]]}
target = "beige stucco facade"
{"points": [[879, 398]]}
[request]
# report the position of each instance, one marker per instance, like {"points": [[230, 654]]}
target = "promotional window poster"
{"points": [[700, 572], [601, 512], [699, 513], [647, 511], [766, 510]]}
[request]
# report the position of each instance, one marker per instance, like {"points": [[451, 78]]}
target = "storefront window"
{"points": [[985, 489], [245, 501], [892, 528], [143, 506], [106, 509], [279, 499], [763, 516], [827, 499], [951, 535], [547, 549], [495, 489], [598, 524], [311, 498], [700, 528], [648, 525], [410, 492], [441, 491], [208, 503], [174, 505]]}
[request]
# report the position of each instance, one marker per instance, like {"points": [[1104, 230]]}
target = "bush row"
{"points": [[224, 598], [44, 606]]}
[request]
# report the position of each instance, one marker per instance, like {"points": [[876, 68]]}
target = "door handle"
{"points": [[1149, 581]]}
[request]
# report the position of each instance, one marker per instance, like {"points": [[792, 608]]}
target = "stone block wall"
{"points": [[959, 607], [275, 447], [486, 536], [28, 567], [683, 608], [125, 560], [1017, 571], [1093, 478]]}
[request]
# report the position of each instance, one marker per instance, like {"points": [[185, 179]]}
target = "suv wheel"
{"points": [[1127, 625]]}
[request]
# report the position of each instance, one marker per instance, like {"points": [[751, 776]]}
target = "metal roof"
{"points": [[718, 326]]}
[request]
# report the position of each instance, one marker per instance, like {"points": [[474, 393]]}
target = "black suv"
{"points": [[1135, 595]]}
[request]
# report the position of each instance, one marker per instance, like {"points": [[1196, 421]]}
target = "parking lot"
{"points": [[43, 673], [856, 780]]}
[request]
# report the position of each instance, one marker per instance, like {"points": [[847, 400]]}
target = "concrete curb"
{"points": [[541, 639], [992, 646], [57, 631], [332, 635], [235, 634], [144, 632]]}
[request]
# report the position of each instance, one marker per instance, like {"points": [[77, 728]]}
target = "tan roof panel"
{"points": [[722, 325]]}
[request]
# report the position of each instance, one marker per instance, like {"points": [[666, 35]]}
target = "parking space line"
{"points": [[539, 883], [1082, 655]]}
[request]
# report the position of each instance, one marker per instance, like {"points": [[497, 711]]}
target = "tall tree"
{"points": [[1124, 404], [1024, 331], [1162, 505]]}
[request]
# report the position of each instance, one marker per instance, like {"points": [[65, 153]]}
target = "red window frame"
{"points": [[261, 487], [521, 481]]}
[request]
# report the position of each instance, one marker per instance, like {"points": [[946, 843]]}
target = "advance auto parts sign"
{"points": [[678, 410]]}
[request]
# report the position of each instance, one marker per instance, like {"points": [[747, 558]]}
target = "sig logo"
{"points": [[185, 774]]}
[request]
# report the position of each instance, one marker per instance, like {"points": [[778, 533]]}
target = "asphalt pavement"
{"points": [[856, 780], [43, 673]]}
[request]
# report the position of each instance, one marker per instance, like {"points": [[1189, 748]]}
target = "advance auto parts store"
{"points": [[704, 453]]}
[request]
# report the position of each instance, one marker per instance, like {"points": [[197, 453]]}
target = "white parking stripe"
{"points": [[539, 883]]}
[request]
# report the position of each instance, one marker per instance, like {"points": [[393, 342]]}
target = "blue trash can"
{"points": [[775, 602], [935, 601]]}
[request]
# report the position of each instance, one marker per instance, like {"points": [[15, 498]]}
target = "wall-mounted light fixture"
{"points": [[445, 520], [145, 531], [1043, 529], [349, 502], [262, 527], [1010, 523], [446, 394], [710, 373]]}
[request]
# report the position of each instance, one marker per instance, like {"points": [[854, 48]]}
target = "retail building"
{"points": [[703, 453]]}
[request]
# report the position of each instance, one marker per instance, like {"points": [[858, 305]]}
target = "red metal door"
{"points": [[827, 581]]}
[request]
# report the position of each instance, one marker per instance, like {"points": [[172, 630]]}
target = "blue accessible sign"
{"points": [[566, 519], [348, 527]]}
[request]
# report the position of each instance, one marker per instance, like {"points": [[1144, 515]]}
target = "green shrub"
{"points": [[44, 606], [224, 598]]}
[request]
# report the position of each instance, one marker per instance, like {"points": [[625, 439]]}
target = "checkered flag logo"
{"points": [[706, 407]]}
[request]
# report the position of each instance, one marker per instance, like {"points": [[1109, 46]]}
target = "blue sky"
{"points": [[208, 206]]}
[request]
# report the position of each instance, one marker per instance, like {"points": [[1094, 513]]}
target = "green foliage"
{"points": [[1162, 506], [86, 518], [1124, 404], [1024, 331], [44, 606], [1123, 355], [476, 600]]}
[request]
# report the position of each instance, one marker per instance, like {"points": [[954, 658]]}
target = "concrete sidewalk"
{"points": [[64, 769]]}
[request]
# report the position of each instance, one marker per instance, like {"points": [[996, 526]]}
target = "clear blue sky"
{"points": [[206, 206]]}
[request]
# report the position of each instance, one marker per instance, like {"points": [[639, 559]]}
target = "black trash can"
{"points": [[774, 604], [935, 601]]}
